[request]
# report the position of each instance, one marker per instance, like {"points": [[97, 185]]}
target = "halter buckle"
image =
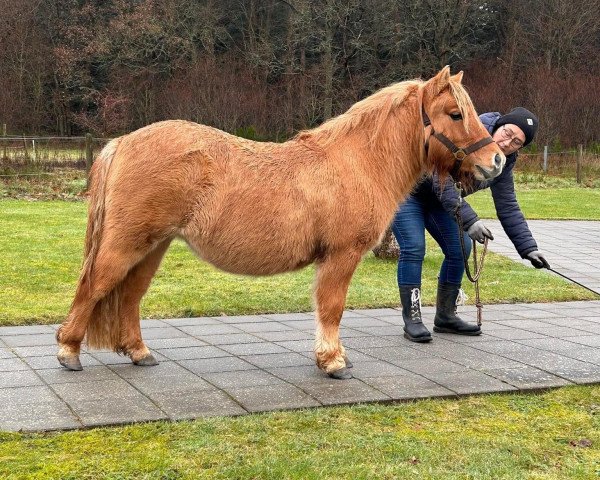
{"points": [[460, 154]]}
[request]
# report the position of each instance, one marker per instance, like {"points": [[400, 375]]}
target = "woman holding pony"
{"points": [[432, 207]]}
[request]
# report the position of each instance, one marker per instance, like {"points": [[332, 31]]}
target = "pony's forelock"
{"points": [[463, 101]]}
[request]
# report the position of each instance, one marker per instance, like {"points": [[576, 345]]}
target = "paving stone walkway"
{"points": [[243, 364], [236, 365]]}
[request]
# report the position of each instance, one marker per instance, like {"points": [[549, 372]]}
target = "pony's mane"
{"points": [[371, 113], [368, 114]]}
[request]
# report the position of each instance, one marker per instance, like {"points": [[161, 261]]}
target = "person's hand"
{"points": [[478, 231], [537, 259]]}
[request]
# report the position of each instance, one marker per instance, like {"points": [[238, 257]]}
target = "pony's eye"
{"points": [[456, 116]]}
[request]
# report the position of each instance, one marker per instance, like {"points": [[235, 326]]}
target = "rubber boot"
{"points": [[446, 320], [414, 330]]}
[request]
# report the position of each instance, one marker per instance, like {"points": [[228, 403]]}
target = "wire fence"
{"points": [[38, 156], [577, 163], [31, 156]]}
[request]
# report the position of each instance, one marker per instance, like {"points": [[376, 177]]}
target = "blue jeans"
{"points": [[410, 222]]}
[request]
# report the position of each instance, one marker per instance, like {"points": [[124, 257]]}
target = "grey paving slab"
{"points": [[26, 395], [244, 378], [12, 364], [25, 330], [212, 365], [232, 338], [269, 326], [29, 340], [115, 411], [180, 405], [333, 392], [272, 397], [527, 378], [5, 352], [19, 378], [278, 360], [190, 353], [89, 374], [183, 322], [50, 361], [254, 348], [405, 387], [469, 382], [51, 415]]}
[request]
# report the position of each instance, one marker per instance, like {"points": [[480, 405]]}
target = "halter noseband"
{"points": [[459, 153]]}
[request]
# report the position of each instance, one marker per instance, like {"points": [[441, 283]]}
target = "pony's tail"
{"points": [[104, 325]]}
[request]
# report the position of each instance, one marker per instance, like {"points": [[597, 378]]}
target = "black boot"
{"points": [[414, 330], [446, 320]]}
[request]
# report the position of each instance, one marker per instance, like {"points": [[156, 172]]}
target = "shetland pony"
{"points": [[326, 196]]}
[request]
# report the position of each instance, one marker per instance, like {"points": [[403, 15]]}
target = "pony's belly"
{"points": [[258, 259]]}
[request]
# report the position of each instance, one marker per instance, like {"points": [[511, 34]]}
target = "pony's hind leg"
{"points": [[94, 296], [134, 287], [333, 278]]}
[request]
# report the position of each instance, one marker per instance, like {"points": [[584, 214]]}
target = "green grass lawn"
{"points": [[555, 435], [564, 203], [42, 245]]}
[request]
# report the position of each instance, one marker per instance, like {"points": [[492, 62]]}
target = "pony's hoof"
{"points": [[341, 374], [72, 363], [147, 361], [349, 364]]}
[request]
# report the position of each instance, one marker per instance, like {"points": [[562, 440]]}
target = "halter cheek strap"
{"points": [[459, 153]]}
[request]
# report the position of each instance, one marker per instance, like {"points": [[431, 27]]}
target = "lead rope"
{"points": [[477, 264]]}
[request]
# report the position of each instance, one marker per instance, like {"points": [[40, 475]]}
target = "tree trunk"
{"points": [[388, 247]]}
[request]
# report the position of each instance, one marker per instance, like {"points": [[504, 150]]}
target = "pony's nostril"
{"points": [[498, 160]]}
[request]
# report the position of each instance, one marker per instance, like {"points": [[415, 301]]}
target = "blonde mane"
{"points": [[368, 115]]}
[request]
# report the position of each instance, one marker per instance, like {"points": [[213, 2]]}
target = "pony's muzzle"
{"points": [[498, 164]]}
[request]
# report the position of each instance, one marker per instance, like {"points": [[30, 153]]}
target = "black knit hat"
{"points": [[522, 118]]}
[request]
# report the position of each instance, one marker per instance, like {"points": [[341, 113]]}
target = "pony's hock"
{"points": [[326, 196]]}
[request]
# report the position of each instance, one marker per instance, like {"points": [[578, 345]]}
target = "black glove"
{"points": [[537, 259], [478, 231]]}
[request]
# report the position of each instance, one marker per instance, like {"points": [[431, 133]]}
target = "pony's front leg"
{"points": [[333, 278]]}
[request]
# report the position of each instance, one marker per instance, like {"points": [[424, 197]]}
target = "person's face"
{"points": [[509, 138]]}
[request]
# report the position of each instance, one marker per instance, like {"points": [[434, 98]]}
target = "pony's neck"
{"points": [[392, 152]]}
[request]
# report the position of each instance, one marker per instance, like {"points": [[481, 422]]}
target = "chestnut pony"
{"points": [[326, 196]]}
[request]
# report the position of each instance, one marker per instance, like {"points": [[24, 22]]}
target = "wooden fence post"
{"points": [[89, 156], [25, 147], [4, 135], [545, 167], [579, 161]]}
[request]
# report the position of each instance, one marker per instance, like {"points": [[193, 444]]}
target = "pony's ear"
{"points": [[436, 84], [458, 77]]}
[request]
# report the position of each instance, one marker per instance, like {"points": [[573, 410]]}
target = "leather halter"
{"points": [[459, 153]]}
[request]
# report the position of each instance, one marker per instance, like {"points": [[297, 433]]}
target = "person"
{"points": [[432, 206]]}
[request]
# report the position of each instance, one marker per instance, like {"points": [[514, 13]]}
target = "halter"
{"points": [[459, 153]]}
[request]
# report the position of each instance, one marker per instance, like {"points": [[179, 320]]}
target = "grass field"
{"points": [[42, 246], [562, 203]]}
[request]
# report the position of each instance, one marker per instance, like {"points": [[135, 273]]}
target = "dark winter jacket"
{"points": [[503, 192]]}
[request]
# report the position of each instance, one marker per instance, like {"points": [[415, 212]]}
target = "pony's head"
{"points": [[457, 142]]}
